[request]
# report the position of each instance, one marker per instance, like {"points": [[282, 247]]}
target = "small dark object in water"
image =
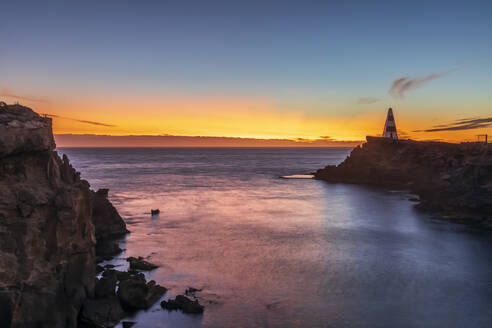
{"points": [[191, 291], [155, 212]]}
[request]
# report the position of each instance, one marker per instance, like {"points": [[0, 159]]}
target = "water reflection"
{"points": [[271, 252]]}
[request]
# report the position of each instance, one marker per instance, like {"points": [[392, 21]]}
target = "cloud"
{"points": [[402, 134], [462, 124], [367, 100], [403, 84], [9, 94], [81, 121]]}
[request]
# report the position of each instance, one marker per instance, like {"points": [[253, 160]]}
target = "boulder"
{"points": [[106, 312], [106, 285], [135, 293], [184, 304], [140, 264]]}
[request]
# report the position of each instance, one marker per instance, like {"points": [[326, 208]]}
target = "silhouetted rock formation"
{"points": [[184, 304], [140, 264], [47, 234], [106, 219], [455, 179]]}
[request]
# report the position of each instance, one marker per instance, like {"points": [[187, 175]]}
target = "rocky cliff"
{"points": [[49, 221], [454, 179]]}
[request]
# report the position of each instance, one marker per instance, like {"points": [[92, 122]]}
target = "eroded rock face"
{"points": [[47, 235], [106, 219], [22, 130], [455, 179]]}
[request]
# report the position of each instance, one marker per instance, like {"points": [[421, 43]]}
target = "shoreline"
{"points": [[454, 180]]}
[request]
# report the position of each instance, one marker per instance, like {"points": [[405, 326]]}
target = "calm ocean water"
{"points": [[271, 252]]}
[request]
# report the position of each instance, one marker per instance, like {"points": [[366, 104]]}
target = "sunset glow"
{"points": [[230, 80]]}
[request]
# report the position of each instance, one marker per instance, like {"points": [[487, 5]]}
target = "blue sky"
{"points": [[320, 56]]}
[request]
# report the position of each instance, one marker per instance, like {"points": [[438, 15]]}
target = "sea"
{"points": [[269, 247]]}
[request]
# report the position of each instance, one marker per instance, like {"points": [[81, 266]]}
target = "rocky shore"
{"points": [[454, 180], [53, 232]]}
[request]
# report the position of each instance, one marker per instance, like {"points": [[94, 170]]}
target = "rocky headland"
{"points": [[53, 232], [455, 180]]}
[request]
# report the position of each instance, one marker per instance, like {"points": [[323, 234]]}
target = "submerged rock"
{"points": [[184, 304], [140, 264]]}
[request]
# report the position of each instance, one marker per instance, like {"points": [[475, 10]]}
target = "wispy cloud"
{"points": [[7, 93], [462, 124], [367, 100], [81, 121], [404, 84]]}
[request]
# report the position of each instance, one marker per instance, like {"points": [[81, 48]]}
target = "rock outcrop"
{"points": [[454, 179], [107, 221], [47, 228], [184, 304]]}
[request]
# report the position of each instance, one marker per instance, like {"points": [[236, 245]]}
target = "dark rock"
{"points": [[135, 293], [106, 312], [131, 274], [22, 131], [99, 269], [107, 222], [454, 179], [128, 324], [106, 286], [107, 249], [184, 304], [192, 291], [46, 232], [155, 212], [140, 264]]}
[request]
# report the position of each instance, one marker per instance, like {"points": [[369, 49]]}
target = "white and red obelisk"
{"points": [[390, 126]]}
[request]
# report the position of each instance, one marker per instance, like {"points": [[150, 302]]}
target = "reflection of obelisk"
{"points": [[390, 126]]}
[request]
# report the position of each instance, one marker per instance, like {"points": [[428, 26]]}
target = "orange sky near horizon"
{"points": [[252, 69], [233, 117], [244, 117]]}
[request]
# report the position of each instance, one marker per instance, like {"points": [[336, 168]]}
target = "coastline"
{"points": [[454, 180], [54, 232]]}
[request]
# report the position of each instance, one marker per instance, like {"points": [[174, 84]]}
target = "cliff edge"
{"points": [[454, 179], [47, 229]]}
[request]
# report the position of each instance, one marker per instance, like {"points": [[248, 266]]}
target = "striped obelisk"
{"points": [[390, 126]]}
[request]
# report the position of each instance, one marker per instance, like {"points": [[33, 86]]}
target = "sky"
{"points": [[252, 69]]}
